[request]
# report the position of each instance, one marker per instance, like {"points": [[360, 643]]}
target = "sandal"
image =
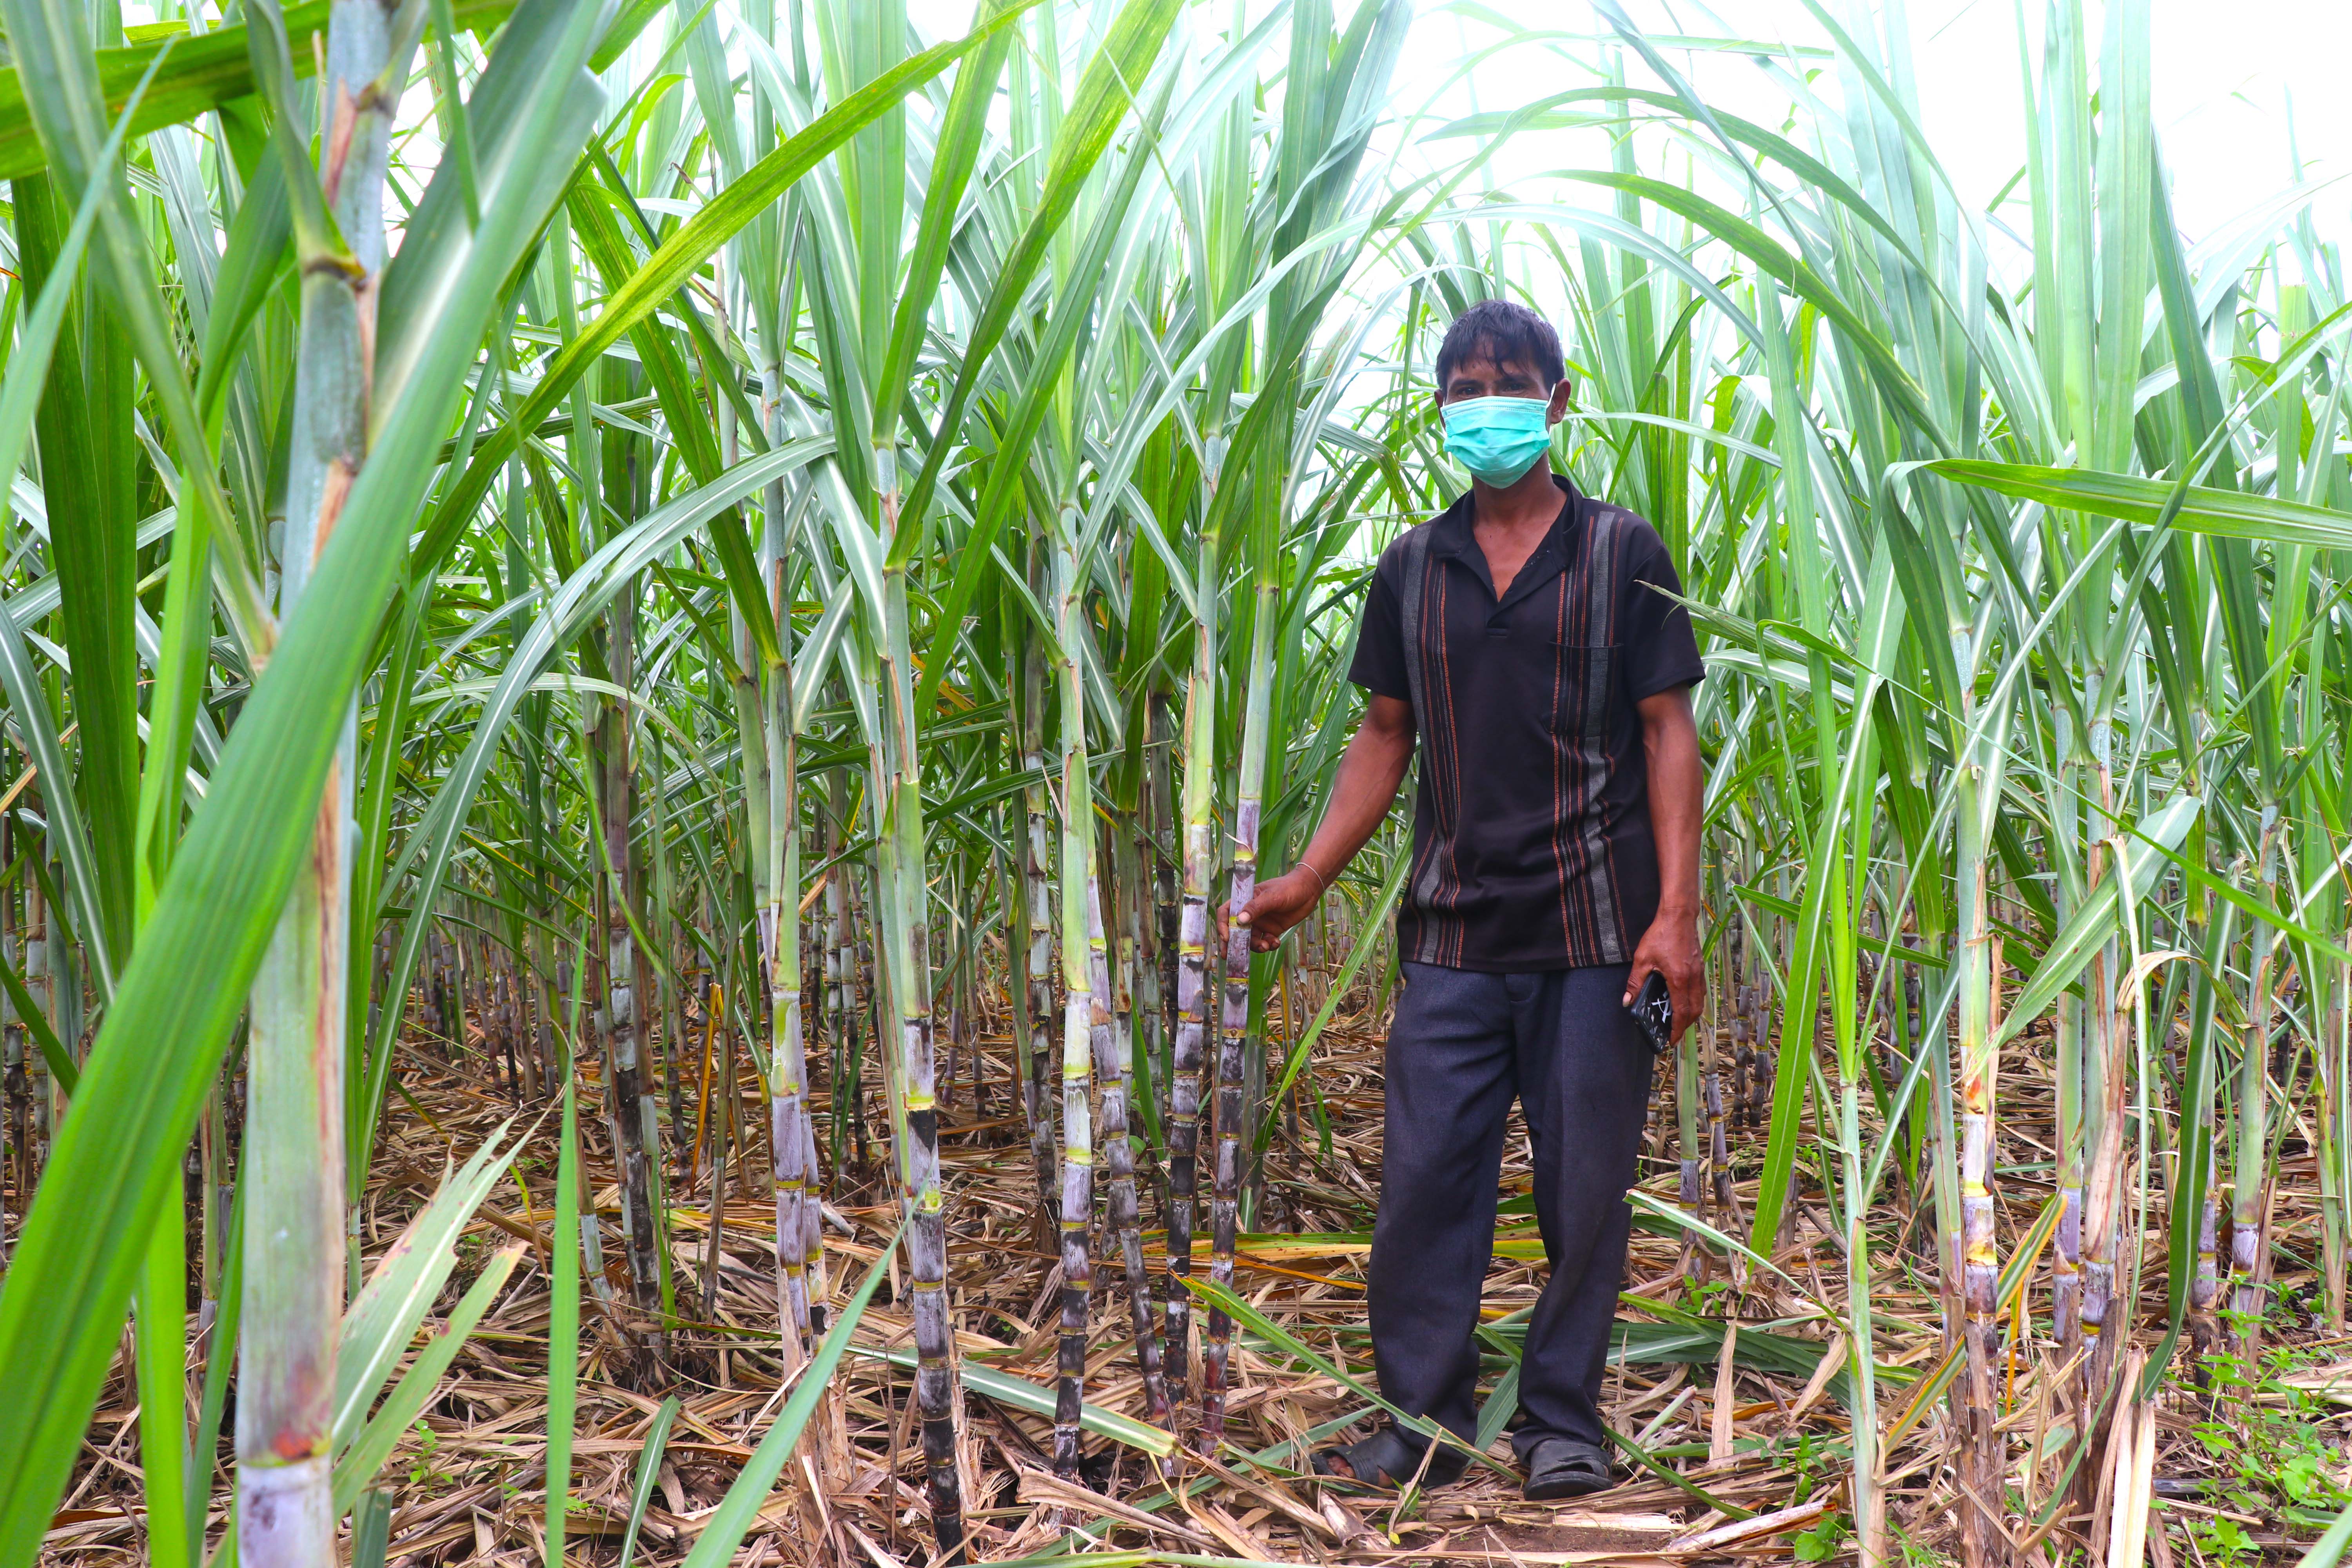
{"points": [[1384, 1458], [1565, 1468]]}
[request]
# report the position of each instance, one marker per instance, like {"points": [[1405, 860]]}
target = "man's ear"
{"points": [[1556, 409]]}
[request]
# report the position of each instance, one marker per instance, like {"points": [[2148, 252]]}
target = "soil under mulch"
{"points": [[1761, 1436]]}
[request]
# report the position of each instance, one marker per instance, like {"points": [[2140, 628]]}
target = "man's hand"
{"points": [[1370, 770], [1671, 948], [1677, 786], [1275, 907]]}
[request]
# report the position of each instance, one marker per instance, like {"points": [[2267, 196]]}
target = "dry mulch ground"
{"points": [[1758, 1434]]}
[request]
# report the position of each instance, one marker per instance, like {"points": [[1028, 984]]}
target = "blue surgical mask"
{"points": [[1497, 438]]}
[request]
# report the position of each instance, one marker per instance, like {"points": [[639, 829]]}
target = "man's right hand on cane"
{"points": [[1277, 905], [1370, 769]]}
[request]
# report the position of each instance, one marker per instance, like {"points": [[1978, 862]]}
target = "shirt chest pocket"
{"points": [[1583, 689]]}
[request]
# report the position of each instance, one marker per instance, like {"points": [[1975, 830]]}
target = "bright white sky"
{"points": [[2225, 74]]}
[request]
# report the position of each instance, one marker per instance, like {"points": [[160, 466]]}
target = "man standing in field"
{"points": [[1518, 636]]}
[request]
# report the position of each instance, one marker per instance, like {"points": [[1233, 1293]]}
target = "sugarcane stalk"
{"points": [[1188, 1072], [669, 1000], [2105, 1085], [628, 1106], [2066, 1245], [1686, 1122], [1108, 1035], [294, 1176], [1076, 1213], [13, 1082], [1159, 850], [2331, 1060], [840, 983], [900, 872], [2099, 1113], [1869, 1488], [788, 1136], [1037, 1054], [40, 984], [2249, 1210], [1984, 1448], [1225, 1205]]}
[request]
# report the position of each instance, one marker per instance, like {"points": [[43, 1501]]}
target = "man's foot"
{"points": [[1565, 1468], [1386, 1459]]}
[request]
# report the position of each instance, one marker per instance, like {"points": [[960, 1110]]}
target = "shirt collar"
{"points": [[1451, 538], [1450, 530]]}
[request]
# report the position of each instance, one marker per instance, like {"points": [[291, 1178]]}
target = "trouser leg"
{"points": [[1449, 1078], [1584, 1074]]}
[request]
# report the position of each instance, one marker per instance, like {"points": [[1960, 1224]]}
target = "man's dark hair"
{"points": [[1501, 330]]}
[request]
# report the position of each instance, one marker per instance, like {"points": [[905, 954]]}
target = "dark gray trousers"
{"points": [[1462, 1046]]}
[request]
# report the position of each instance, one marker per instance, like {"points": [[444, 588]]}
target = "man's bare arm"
{"points": [[1677, 804], [1361, 792]]}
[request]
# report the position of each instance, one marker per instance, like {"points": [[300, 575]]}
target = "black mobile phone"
{"points": [[1653, 1009]]}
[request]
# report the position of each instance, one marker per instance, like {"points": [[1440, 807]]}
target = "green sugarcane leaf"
{"points": [[563, 1297], [1120, 66], [34, 602], [2222, 513], [1796, 1044], [371, 1532], [732, 1519], [1258, 1324], [28, 1013], [207, 69], [258, 253], [1375, 925], [51, 44], [1500, 1405], [1681, 1219], [161, 1042], [358, 1464], [20, 397], [962, 131], [2190, 1191], [89, 463], [160, 1351], [649, 1461], [379, 1324], [1674, 1479], [2329, 1549], [2092, 925], [1006, 481], [1023, 1394], [683, 254]]}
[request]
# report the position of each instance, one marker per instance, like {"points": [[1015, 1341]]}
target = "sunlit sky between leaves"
{"points": [[2225, 76], [2248, 99]]}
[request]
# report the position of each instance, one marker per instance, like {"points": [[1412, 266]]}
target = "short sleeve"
{"points": [[1660, 648], [1379, 664]]}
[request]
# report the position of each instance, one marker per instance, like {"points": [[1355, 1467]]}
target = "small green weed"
{"points": [[2265, 1438], [1824, 1540], [2223, 1542], [424, 1473]]}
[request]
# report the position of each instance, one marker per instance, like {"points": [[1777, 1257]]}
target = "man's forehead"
{"points": [[1486, 367]]}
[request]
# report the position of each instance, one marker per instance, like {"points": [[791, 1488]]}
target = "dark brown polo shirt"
{"points": [[1532, 847]]}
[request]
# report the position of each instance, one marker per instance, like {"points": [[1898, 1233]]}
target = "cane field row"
{"points": [[639, 639]]}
